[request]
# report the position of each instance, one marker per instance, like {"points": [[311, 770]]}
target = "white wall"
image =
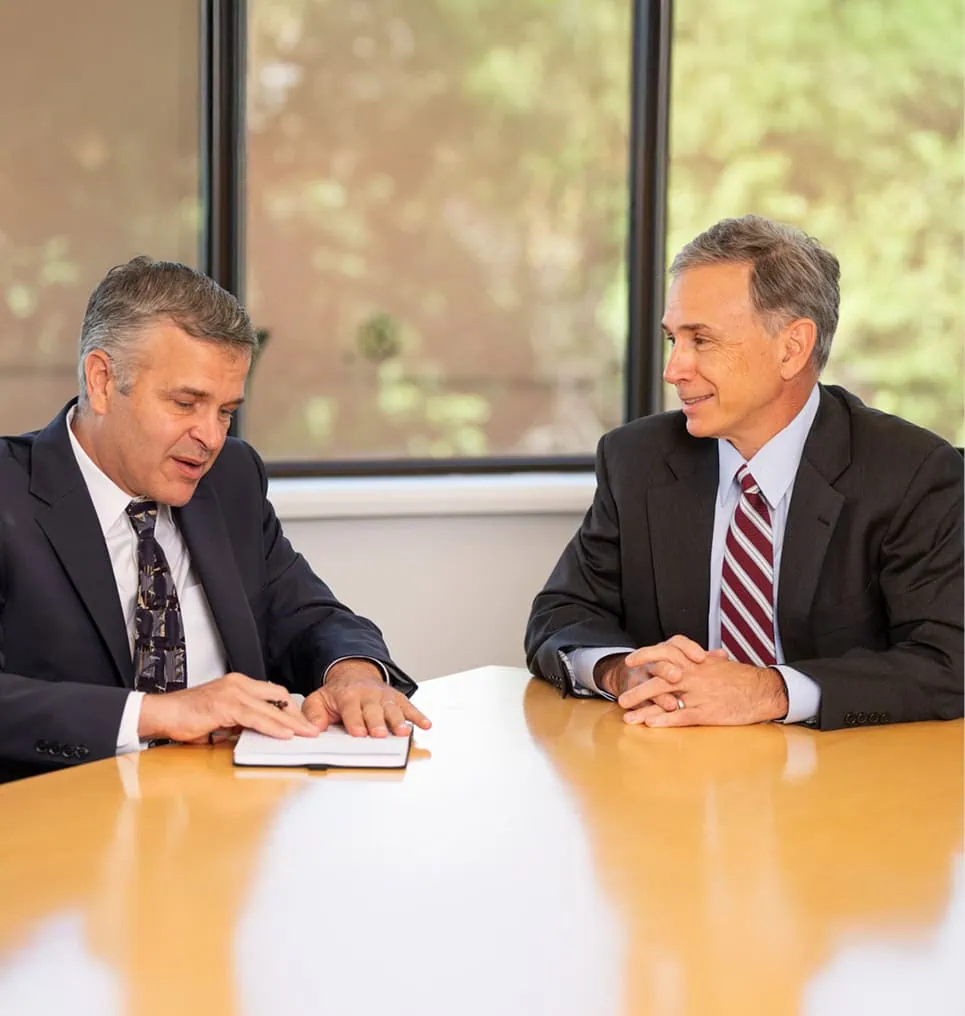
{"points": [[447, 567]]}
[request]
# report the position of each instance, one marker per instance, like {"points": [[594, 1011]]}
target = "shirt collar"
{"points": [[775, 465], [110, 502]]}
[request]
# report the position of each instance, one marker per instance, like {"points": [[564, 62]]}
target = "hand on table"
{"points": [[230, 703], [356, 694], [715, 692]]}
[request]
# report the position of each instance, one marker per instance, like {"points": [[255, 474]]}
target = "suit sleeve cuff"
{"points": [[127, 739], [581, 662], [367, 659], [803, 695]]}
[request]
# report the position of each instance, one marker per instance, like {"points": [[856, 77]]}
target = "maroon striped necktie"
{"points": [[747, 579]]}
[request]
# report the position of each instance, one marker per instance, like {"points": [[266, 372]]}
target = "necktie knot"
{"points": [[143, 516], [748, 484]]}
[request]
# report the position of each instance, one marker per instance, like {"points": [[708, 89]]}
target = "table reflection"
{"points": [[141, 884], [744, 859]]}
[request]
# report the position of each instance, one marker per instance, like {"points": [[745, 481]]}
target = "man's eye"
{"points": [[183, 405], [228, 414]]}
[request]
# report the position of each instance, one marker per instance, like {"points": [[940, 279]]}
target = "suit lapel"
{"points": [[202, 525], [70, 524], [812, 515], [681, 521]]}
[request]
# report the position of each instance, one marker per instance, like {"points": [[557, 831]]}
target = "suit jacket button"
{"points": [[53, 748], [862, 717], [81, 751], [41, 746], [849, 719], [874, 717], [885, 717]]}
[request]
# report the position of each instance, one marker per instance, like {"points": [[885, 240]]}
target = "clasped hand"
{"points": [[678, 683]]}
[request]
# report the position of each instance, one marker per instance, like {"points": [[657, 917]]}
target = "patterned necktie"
{"points": [[160, 659], [747, 579]]}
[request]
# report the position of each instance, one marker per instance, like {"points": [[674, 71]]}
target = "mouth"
{"points": [[692, 403], [192, 469]]}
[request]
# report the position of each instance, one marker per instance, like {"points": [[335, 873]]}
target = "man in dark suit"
{"points": [[147, 592], [776, 550]]}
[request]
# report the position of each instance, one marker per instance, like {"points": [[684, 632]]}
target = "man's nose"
{"points": [[209, 431], [679, 366]]}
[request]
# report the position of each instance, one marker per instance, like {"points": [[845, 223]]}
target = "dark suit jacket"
{"points": [[65, 660], [870, 592]]}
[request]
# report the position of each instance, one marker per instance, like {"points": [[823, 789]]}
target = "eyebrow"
{"points": [[199, 393], [698, 327]]}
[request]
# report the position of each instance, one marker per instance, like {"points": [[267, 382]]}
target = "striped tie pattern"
{"points": [[747, 580]]}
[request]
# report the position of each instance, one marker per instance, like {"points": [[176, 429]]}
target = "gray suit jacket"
{"points": [[65, 660], [870, 598]]}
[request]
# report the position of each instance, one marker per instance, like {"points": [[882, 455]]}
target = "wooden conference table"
{"points": [[537, 857]]}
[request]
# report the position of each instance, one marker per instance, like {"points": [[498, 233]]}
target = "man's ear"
{"points": [[797, 341], [99, 378]]}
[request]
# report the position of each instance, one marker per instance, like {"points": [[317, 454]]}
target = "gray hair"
{"points": [[135, 295], [792, 275]]}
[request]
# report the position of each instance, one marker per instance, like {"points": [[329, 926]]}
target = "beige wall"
{"points": [[449, 592]]}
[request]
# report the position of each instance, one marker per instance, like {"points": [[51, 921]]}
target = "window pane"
{"points": [[98, 162], [844, 119], [436, 221]]}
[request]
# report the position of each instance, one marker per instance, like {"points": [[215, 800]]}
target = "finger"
{"points": [[663, 652], [374, 715], [264, 720], [660, 704], [694, 651], [687, 717], [670, 672], [417, 717], [395, 719], [318, 712], [637, 716], [719, 654], [350, 709], [292, 720], [644, 692]]}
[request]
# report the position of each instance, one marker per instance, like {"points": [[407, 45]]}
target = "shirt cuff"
{"points": [[127, 739], [341, 659], [581, 663], [803, 695]]}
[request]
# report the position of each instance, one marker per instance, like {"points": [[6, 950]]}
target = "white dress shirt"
{"points": [[203, 647], [774, 468]]}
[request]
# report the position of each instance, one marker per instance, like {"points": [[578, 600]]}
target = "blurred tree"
{"points": [[98, 162], [437, 199], [843, 117], [448, 178]]}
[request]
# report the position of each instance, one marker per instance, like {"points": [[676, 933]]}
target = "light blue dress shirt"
{"points": [[774, 468]]}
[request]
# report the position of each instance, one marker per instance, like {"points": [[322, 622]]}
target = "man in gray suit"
{"points": [[776, 550]]}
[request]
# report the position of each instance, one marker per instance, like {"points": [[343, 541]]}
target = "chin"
{"points": [[697, 428], [177, 495]]}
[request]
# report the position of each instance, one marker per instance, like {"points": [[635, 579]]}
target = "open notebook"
{"points": [[333, 748]]}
